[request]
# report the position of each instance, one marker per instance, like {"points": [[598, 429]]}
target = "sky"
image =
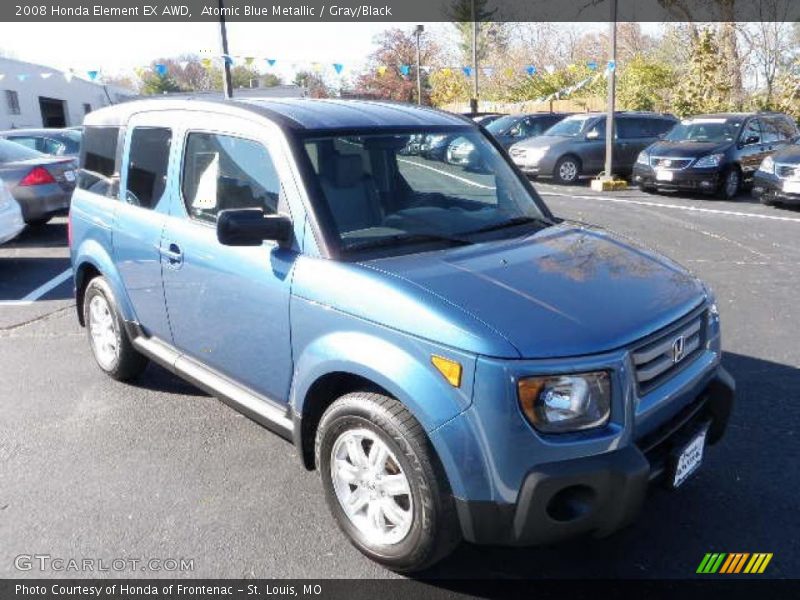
{"points": [[115, 48]]}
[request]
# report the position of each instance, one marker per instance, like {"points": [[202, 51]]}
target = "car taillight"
{"points": [[37, 176]]}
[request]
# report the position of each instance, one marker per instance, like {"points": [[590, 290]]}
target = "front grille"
{"points": [[663, 354], [785, 171], [667, 162]]}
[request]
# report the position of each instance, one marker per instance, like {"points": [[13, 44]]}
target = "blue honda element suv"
{"points": [[455, 361]]}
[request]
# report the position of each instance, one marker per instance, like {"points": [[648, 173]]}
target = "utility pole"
{"points": [[227, 87], [419, 30], [612, 70], [473, 103]]}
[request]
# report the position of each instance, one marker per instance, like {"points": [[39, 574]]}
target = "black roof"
{"points": [[294, 113]]}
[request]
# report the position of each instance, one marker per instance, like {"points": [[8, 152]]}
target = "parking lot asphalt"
{"points": [[92, 468]]}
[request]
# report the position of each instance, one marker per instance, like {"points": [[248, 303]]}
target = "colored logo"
{"points": [[736, 562]]}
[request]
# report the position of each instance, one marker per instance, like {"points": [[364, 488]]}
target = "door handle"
{"points": [[172, 253]]}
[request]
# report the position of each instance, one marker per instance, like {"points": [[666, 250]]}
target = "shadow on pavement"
{"points": [[158, 379], [52, 235], [21, 275], [742, 499]]}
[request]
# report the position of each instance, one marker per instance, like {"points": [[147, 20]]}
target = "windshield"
{"points": [[12, 152], [705, 130], [571, 126], [501, 125], [382, 192]]}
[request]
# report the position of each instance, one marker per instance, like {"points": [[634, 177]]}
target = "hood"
{"points": [[564, 291], [687, 149], [789, 154]]}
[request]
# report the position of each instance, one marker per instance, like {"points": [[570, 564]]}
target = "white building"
{"points": [[38, 96]]}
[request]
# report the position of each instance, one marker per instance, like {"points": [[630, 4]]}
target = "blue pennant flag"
{"points": [[530, 70], [405, 70], [338, 67], [228, 59], [22, 76], [161, 69], [612, 66], [271, 62], [467, 71], [92, 74], [592, 65]]}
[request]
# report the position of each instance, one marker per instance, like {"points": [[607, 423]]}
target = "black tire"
{"points": [[40, 222], [567, 170], [727, 190], [648, 189], [434, 531], [128, 363]]}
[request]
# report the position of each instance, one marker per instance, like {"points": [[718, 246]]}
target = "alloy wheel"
{"points": [[371, 487], [103, 330]]}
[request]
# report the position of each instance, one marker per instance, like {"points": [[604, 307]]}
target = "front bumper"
{"points": [[770, 188], [596, 494], [689, 179]]}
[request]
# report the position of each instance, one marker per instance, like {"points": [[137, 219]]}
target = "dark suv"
{"points": [[713, 154], [576, 146]]}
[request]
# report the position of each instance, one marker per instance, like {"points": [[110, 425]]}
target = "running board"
{"points": [[259, 408]]}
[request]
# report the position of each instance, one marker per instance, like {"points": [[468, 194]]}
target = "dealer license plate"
{"points": [[791, 187], [690, 457], [663, 175], [69, 176]]}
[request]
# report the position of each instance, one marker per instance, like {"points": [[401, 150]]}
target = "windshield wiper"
{"points": [[404, 238], [513, 222]]}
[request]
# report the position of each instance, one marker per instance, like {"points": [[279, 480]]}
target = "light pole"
{"points": [[418, 31], [473, 103], [227, 87], [612, 70]]}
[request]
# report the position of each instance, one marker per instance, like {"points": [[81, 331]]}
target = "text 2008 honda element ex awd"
{"points": [[456, 362]]}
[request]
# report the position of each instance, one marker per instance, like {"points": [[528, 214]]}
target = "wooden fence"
{"points": [[594, 103]]}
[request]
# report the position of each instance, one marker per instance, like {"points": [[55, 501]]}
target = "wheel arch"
{"points": [[91, 261]]}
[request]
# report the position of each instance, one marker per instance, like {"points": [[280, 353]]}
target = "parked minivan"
{"points": [[454, 360], [713, 154], [576, 147], [777, 180]]}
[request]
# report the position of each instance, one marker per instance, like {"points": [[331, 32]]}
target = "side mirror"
{"points": [[593, 134], [751, 139], [251, 227]]}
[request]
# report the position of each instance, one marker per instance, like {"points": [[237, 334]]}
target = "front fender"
{"points": [[93, 253], [396, 363]]}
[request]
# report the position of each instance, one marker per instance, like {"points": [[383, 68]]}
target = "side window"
{"points": [[660, 126], [769, 132], [751, 131], [28, 142], [597, 130], [786, 126], [148, 159], [223, 172], [628, 128], [98, 159]]}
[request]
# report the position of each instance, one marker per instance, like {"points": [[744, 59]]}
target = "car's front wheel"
{"points": [[112, 349], [567, 170], [731, 182], [383, 482]]}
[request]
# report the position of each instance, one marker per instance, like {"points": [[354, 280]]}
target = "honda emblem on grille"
{"points": [[666, 162], [678, 349]]}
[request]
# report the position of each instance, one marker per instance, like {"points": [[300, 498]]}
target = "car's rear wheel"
{"points": [[567, 170], [383, 482], [731, 182], [109, 342]]}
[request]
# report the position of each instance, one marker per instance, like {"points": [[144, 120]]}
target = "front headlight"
{"points": [[565, 403], [767, 165], [643, 158], [710, 160]]}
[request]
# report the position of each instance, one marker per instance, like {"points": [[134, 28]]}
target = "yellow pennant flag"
{"points": [[381, 69], [206, 62], [508, 71], [446, 71], [248, 60]]}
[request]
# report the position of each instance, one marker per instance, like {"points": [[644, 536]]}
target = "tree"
{"points": [[705, 86], [492, 35], [313, 83], [448, 86], [397, 51], [645, 84], [770, 49], [154, 83]]}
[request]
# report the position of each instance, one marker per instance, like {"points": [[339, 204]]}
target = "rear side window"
{"points": [[148, 160], [98, 159], [224, 172], [12, 151]]}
